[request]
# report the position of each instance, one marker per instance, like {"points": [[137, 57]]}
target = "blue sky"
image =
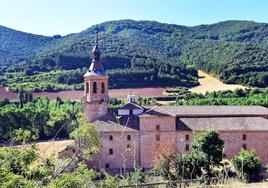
{"points": [[50, 17]]}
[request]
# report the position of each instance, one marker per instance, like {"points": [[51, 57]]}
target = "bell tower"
{"points": [[96, 97]]}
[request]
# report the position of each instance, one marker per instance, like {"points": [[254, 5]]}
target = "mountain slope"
{"points": [[16, 46], [235, 51]]}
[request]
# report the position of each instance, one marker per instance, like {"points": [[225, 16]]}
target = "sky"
{"points": [[51, 17]]}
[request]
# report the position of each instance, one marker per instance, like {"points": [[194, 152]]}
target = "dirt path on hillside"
{"points": [[210, 83]]}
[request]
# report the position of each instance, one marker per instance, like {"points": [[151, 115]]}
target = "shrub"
{"points": [[247, 164]]}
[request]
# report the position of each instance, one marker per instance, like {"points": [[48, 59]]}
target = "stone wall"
{"points": [[93, 111], [125, 152], [233, 142], [153, 132], [255, 140]]}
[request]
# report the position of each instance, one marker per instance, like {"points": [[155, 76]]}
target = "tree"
{"points": [[207, 151], [86, 137], [209, 143], [248, 164], [17, 181], [81, 177]]}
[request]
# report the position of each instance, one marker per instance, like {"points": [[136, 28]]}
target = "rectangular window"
{"points": [[128, 137], [187, 147], [157, 137], [107, 165], [187, 137], [110, 137], [244, 137], [130, 112], [158, 127], [244, 146], [111, 151]]}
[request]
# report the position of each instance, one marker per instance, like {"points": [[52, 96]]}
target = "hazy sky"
{"points": [[50, 17]]}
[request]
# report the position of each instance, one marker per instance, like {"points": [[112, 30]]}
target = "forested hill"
{"points": [[236, 51], [16, 46]]}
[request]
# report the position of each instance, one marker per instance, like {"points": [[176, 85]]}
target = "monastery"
{"points": [[131, 133]]}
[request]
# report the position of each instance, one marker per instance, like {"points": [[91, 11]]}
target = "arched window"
{"points": [[94, 87], [87, 87], [102, 87]]}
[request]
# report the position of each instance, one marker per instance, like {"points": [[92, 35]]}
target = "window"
{"points": [[107, 165], [128, 146], [87, 87], [244, 137], [244, 146], [102, 87], [130, 111], [187, 147], [157, 137], [94, 87], [111, 137], [187, 137], [129, 137], [158, 127], [111, 151]]}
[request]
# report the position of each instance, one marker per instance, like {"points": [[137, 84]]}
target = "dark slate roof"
{"points": [[209, 111], [222, 124], [113, 123]]}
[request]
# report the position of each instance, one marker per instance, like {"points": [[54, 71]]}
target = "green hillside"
{"points": [[16, 46], [138, 53]]}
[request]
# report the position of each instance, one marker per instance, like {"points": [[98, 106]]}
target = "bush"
{"points": [[209, 143], [247, 164]]}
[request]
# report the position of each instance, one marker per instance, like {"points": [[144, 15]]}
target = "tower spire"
{"points": [[96, 65]]}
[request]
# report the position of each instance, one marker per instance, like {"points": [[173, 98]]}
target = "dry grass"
{"points": [[48, 148], [210, 83]]}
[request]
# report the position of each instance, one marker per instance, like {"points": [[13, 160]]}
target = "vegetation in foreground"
{"points": [[23, 167]]}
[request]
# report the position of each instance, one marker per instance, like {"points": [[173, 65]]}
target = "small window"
{"points": [[157, 137], [111, 137], [187, 137], [128, 137], [187, 147], [244, 137], [244, 146], [102, 87], [111, 151], [158, 127], [107, 165], [94, 87], [128, 146], [87, 87], [130, 111]]}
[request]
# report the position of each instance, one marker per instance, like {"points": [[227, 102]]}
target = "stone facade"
{"points": [[120, 150]]}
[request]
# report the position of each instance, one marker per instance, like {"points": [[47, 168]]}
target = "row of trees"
{"points": [[236, 97], [41, 116]]}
